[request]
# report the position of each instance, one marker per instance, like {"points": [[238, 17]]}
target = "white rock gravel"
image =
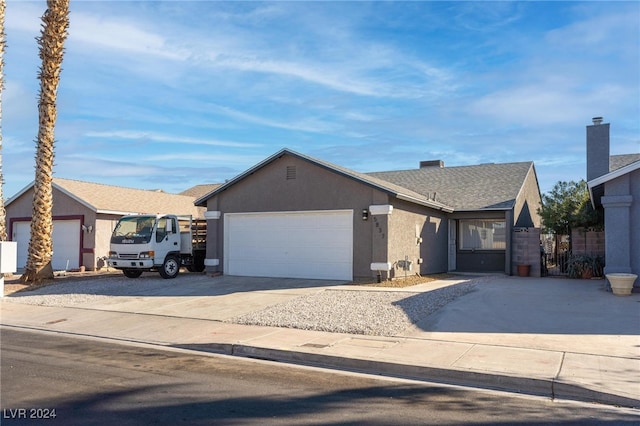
{"points": [[373, 313], [79, 292]]}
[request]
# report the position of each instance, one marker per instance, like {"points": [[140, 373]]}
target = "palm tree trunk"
{"points": [[3, 212], [54, 32]]}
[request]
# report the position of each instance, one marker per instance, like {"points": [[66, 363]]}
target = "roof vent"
{"points": [[291, 172], [596, 121], [432, 163]]}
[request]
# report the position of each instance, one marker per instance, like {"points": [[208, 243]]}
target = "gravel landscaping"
{"points": [[78, 291], [373, 313]]}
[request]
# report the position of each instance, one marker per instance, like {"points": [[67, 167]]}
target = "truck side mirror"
{"points": [[169, 226]]}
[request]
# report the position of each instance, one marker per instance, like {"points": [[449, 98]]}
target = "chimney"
{"points": [[432, 163], [597, 149]]}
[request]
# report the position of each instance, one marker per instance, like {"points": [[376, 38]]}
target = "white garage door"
{"points": [[317, 245], [66, 243]]}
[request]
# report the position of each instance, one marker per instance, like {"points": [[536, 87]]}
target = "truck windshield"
{"points": [[133, 230]]}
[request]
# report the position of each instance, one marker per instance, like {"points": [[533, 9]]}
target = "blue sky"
{"points": [[171, 94]]}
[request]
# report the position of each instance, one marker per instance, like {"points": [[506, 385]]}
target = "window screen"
{"points": [[479, 234]]}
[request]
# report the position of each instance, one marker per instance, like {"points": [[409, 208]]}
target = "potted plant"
{"points": [[582, 266], [575, 266], [523, 270]]}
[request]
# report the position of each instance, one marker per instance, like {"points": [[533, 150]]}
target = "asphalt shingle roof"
{"points": [[618, 161], [484, 186], [200, 190], [121, 200]]}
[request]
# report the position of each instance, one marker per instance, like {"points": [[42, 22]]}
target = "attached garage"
{"points": [[297, 244], [66, 243]]}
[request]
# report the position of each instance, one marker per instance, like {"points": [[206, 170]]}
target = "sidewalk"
{"points": [[564, 339]]}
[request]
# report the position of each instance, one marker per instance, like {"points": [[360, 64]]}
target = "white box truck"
{"points": [[162, 243]]}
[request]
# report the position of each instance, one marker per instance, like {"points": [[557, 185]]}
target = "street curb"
{"points": [[550, 388]]}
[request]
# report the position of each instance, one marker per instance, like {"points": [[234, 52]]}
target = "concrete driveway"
{"points": [[540, 313]]}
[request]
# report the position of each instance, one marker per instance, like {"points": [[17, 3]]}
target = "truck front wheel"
{"points": [[132, 273], [170, 267]]}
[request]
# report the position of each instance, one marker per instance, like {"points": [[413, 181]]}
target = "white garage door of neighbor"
{"points": [[316, 245], [66, 243]]}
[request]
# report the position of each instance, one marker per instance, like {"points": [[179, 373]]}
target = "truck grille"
{"points": [[128, 256]]}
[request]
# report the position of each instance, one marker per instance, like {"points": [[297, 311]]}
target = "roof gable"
{"points": [[389, 187]]}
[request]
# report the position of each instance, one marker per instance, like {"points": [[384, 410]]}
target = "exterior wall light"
{"points": [[365, 214]]}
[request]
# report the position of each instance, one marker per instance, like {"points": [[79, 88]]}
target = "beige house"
{"points": [[84, 215], [296, 216]]}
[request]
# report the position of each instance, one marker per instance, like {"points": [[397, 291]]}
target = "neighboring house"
{"points": [[296, 216], [614, 185], [200, 190], [84, 215]]}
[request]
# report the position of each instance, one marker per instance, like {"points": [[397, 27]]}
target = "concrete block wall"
{"points": [[526, 250], [587, 242]]}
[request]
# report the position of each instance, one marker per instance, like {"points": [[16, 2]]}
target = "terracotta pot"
{"points": [[621, 284], [523, 270]]}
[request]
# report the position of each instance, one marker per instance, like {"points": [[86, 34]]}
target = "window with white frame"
{"points": [[482, 234]]}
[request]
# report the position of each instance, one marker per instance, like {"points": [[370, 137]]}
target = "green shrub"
{"points": [[585, 266]]}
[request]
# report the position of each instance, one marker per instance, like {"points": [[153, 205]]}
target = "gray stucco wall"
{"points": [[408, 224], [314, 188], [634, 231], [621, 201]]}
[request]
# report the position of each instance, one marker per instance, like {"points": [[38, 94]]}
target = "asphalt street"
{"points": [[85, 381]]}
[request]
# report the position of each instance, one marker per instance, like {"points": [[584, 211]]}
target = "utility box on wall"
{"points": [[8, 257]]}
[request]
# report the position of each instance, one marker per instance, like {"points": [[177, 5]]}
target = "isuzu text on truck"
{"points": [[162, 243]]}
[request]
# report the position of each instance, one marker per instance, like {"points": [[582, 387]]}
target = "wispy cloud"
{"points": [[122, 36], [24, 16], [166, 138]]}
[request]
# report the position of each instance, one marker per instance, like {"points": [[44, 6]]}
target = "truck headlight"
{"points": [[147, 254], [113, 254]]}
